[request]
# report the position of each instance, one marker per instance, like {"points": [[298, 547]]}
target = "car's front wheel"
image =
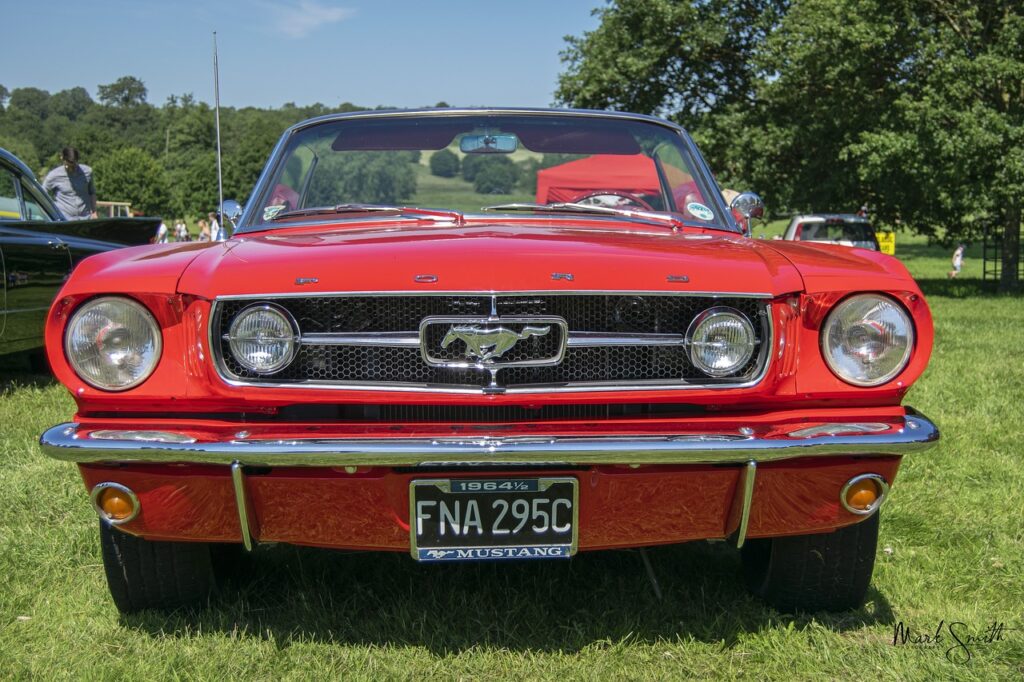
{"points": [[823, 572], [151, 574]]}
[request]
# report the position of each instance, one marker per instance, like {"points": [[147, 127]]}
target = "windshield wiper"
{"points": [[340, 208], [662, 218], [436, 214]]}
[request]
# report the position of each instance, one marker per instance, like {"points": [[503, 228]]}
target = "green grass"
{"points": [[951, 548], [455, 193]]}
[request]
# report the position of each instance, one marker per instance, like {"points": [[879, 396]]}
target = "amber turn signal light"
{"points": [[864, 494], [115, 503]]}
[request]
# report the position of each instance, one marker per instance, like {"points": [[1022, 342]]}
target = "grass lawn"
{"points": [[951, 549]]}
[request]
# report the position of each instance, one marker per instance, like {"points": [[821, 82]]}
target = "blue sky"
{"points": [[393, 52]]}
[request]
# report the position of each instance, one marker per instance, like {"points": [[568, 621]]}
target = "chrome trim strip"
{"points": [[917, 433], [238, 481], [100, 487], [591, 339], [379, 339], [485, 294], [412, 339], [883, 493], [746, 487]]}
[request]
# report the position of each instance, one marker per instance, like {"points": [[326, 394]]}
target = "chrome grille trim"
{"points": [[412, 339], [594, 339], [503, 294], [388, 339], [763, 322]]}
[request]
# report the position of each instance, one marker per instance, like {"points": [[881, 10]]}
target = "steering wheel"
{"points": [[617, 199]]}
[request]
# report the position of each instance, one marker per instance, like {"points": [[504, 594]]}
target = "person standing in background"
{"points": [[161, 233], [217, 232], [958, 261], [204, 230], [180, 231], [72, 187]]}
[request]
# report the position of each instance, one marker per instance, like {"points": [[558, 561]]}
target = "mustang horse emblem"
{"points": [[487, 344]]}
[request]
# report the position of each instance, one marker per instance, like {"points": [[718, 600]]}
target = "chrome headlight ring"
{"points": [[113, 343], [720, 341], [867, 339], [263, 338]]}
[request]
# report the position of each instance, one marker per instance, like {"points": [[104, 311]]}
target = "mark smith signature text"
{"points": [[956, 637]]}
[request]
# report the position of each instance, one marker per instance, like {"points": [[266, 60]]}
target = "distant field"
{"points": [[951, 550], [456, 193]]}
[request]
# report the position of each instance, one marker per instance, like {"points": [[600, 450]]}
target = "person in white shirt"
{"points": [[217, 232], [180, 231], [161, 233]]}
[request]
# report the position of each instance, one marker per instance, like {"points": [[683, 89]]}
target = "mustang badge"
{"points": [[487, 344]]}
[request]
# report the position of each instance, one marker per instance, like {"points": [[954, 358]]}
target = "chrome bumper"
{"points": [[71, 442]]}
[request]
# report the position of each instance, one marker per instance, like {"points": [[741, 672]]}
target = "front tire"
{"points": [[823, 572], [151, 574]]}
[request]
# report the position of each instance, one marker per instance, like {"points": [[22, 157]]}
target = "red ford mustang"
{"points": [[561, 343]]}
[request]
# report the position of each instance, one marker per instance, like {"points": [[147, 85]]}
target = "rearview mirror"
{"points": [[748, 205], [232, 211], [498, 143]]}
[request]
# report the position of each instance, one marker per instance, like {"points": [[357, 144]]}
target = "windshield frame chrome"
{"points": [[248, 222]]}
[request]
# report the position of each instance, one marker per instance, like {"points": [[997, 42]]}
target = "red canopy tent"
{"points": [[635, 174], [570, 181]]}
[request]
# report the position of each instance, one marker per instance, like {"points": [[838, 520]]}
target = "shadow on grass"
{"points": [[23, 369], [964, 288], [598, 599]]}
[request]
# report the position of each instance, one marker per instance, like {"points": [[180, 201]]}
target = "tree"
{"points": [[444, 164], [693, 62], [362, 178], [4, 94], [496, 178], [23, 149], [474, 163], [949, 158], [126, 91], [32, 101], [130, 174], [916, 106], [71, 103]]}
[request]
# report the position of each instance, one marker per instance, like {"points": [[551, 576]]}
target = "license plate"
{"points": [[464, 519]]}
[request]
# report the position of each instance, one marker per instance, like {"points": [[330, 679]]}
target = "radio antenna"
{"points": [[216, 115]]}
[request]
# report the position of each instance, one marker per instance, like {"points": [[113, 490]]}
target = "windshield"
{"points": [[469, 162], [837, 230]]}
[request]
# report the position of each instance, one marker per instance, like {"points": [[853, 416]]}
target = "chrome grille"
{"points": [[585, 366]]}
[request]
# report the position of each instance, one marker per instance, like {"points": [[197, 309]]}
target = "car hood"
{"points": [[488, 257]]}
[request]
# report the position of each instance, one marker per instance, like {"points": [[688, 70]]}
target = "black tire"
{"points": [[826, 572], [149, 574]]}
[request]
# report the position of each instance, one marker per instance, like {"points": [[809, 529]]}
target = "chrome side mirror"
{"points": [[748, 205], [232, 211]]}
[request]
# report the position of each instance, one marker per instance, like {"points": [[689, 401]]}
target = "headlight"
{"points": [[867, 339], [721, 341], [112, 343], [263, 338]]}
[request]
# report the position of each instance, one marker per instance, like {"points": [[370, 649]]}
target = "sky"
{"points": [[402, 53]]}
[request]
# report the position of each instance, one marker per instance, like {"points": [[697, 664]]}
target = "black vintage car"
{"points": [[39, 248]]}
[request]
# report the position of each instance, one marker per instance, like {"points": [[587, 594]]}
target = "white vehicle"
{"points": [[846, 229]]}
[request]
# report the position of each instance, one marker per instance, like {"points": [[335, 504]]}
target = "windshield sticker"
{"points": [[271, 211], [700, 211]]}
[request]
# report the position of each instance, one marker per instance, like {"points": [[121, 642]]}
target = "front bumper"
{"points": [[352, 492], [78, 443]]}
